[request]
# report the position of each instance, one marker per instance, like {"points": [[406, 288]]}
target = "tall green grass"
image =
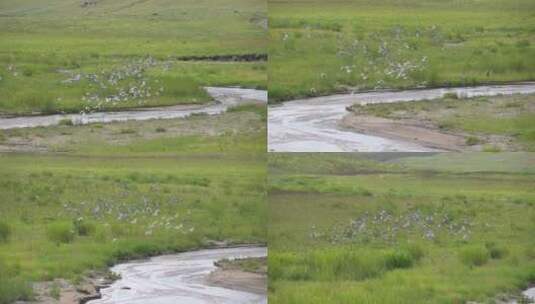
{"points": [[240, 131], [68, 215], [338, 264], [12, 287], [46, 47], [318, 48], [417, 234]]}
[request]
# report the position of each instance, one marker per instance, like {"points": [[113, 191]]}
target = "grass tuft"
{"points": [[66, 122], [474, 256], [60, 232], [5, 232], [472, 141], [84, 228]]}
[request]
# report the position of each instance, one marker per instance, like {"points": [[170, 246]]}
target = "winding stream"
{"points": [[311, 125], [178, 279], [225, 97]]}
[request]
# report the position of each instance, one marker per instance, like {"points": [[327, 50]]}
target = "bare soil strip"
{"points": [[412, 131], [239, 280], [226, 58]]}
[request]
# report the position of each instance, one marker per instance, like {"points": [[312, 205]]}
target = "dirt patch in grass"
{"points": [[225, 58], [405, 130], [62, 291], [498, 123], [248, 275]]}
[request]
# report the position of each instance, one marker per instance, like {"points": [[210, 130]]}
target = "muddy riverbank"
{"points": [[248, 275], [315, 124], [188, 277], [180, 278]]}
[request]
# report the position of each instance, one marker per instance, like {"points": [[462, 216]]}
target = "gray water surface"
{"points": [[311, 125], [224, 97], [178, 279]]}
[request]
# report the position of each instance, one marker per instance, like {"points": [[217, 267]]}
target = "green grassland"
{"points": [[321, 47], [519, 162], [402, 233], [62, 216], [240, 130], [79, 198], [59, 56], [400, 162], [509, 116]]}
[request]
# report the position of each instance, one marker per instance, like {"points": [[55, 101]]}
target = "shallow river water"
{"points": [[311, 125], [225, 97], [178, 279]]}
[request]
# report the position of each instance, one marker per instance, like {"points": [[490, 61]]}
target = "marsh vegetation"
{"points": [[320, 48], [61, 56], [394, 228], [63, 216]]}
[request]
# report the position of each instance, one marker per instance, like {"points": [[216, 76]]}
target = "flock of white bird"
{"points": [[381, 56], [385, 226]]}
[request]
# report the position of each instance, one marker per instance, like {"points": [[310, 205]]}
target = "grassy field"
{"points": [[321, 47], [511, 117], [241, 129], [80, 198], [342, 230], [517, 162], [61, 56], [62, 216]]}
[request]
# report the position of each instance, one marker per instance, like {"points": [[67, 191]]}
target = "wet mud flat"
{"points": [[410, 131], [231, 274], [316, 124]]}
